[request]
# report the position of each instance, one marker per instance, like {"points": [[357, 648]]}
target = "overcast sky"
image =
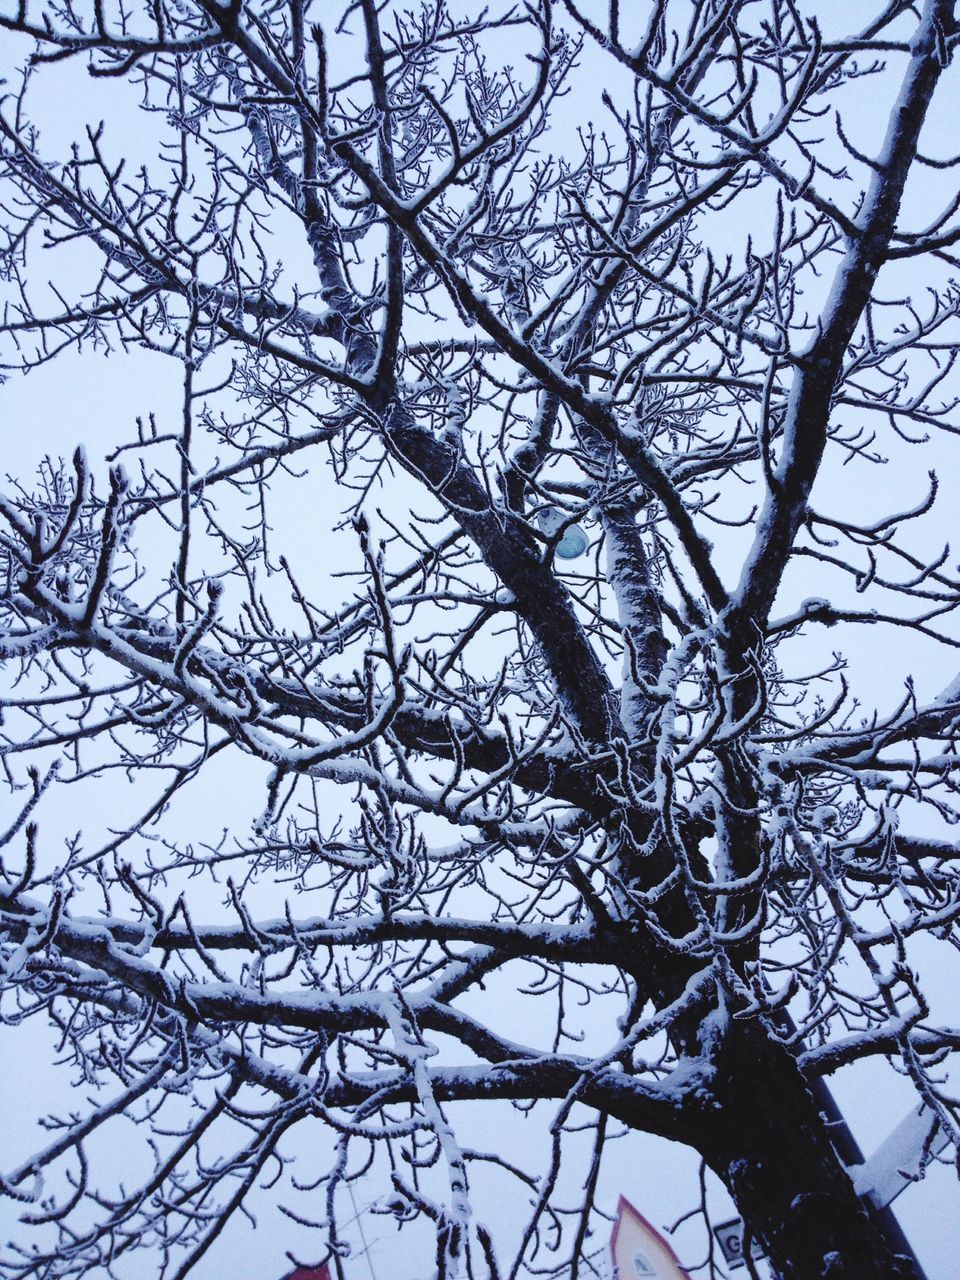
{"points": [[84, 398]]}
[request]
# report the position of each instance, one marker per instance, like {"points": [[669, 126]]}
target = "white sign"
{"points": [[730, 1238], [639, 1251], [899, 1160]]}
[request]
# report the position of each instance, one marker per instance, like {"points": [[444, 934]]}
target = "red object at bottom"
{"points": [[310, 1273]]}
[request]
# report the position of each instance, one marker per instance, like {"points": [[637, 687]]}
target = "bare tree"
{"points": [[509, 346]]}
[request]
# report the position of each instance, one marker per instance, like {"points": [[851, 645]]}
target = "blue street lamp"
{"points": [[573, 541]]}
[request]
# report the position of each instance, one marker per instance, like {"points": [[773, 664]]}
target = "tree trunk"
{"points": [[765, 1138]]}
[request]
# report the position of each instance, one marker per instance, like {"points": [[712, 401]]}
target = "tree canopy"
{"points": [[468, 681]]}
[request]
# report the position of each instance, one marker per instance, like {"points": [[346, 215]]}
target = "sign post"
{"points": [[896, 1163]]}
